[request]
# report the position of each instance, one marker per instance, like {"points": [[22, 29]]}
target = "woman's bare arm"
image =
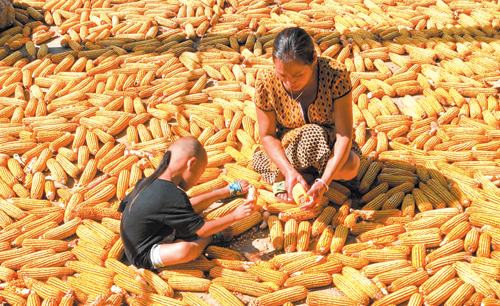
{"points": [[272, 145], [342, 147], [274, 150]]}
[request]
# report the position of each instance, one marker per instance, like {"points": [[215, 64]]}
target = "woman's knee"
{"points": [[350, 169]]}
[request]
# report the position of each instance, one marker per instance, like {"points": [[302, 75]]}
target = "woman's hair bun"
{"points": [[294, 44]]}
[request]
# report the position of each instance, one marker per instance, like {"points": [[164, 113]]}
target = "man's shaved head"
{"points": [[188, 161], [183, 164], [188, 147]]}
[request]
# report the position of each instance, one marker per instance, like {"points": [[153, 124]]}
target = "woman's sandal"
{"points": [[280, 188]]}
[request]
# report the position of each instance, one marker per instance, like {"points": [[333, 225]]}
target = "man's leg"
{"points": [[182, 251], [186, 251]]}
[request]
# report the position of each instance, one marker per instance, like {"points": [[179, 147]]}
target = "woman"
{"points": [[305, 119], [157, 211]]}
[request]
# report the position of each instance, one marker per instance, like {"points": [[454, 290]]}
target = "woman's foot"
{"points": [[283, 198], [281, 194]]}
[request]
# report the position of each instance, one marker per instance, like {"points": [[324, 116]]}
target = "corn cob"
{"points": [[193, 300], [372, 194], [303, 236], [224, 210], [243, 286], [369, 177], [463, 293], [223, 272], [290, 236], [365, 284], [374, 255], [242, 226], [17, 263], [373, 270], [309, 280], [323, 220], [12, 298], [223, 253], [442, 293], [81, 285], [444, 261], [391, 276], [324, 241], [275, 232], [302, 264], [347, 286], [469, 276], [397, 297], [45, 291], [300, 195], [300, 214], [62, 231], [291, 294], [133, 285], [416, 278], [377, 233], [450, 224], [484, 245], [339, 238], [448, 249], [53, 260], [45, 272], [316, 299], [35, 232], [85, 256], [222, 295]]}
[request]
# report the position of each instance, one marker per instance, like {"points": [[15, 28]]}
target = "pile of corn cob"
{"points": [[158, 70]]}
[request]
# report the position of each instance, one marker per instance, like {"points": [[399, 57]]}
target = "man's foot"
{"points": [[222, 237], [228, 234]]}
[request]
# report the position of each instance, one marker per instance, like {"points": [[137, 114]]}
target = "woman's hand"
{"points": [[291, 178], [315, 194], [243, 211]]}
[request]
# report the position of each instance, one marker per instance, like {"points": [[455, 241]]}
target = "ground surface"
{"points": [[255, 241]]}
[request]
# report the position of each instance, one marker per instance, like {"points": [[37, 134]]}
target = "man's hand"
{"points": [[245, 186], [243, 211]]}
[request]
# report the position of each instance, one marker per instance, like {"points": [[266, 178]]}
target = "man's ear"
{"points": [[191, 163]]}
